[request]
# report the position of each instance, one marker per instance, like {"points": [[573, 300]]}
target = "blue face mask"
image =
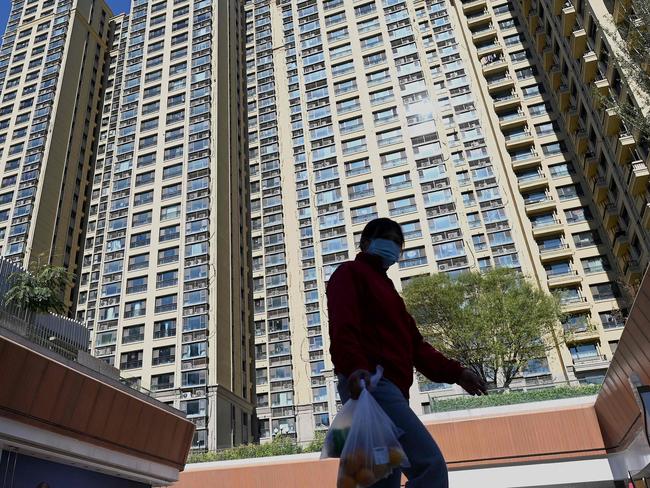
{"points": [[386, 249]]}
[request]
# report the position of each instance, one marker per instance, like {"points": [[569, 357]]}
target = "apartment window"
{"points": [[340, 51], [139, 261], [374, 59], [604, 291], [345, 86], [381, 96], [172, 171], [334, 19], [351, 125], [166, 303], [162, 381], [595, 264], [135, 309], [567, 192], [368, 25], [393, 159], [141, 218], [136, 285], [579, 214], [131, 360], [164, 328], [397, 182], [133, 334], [170, 232], [143, 198], [166, 256], [170, 212], [338, 34], [411, 230], [561, 170], [360, 190], [389, 137], [163, 355], [377, 77], [553, 148], [401, 206], [538, 109], [612, 319], [545, 128], [365, 9], [171, 191], [533, 90], [348, 105], [358, 167], [413, 257], [586, 239], [363, 214], [150, 108], [385, 116], [194, 378], [354, 145]]}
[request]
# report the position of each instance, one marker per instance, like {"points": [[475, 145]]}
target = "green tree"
{"points": [[631, 54], [493, 322], [40, 289]]}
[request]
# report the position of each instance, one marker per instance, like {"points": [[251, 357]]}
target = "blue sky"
{"points": [[118, 6]]}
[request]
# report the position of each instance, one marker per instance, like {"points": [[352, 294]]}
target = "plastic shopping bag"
{"points": [[366, 441]]}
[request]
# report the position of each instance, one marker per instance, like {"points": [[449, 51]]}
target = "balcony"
{"points": [[569, 277], [557, 6], [610, 215], [541, 229], [519, 139], [540, 39], [540, 205], [484, 34], [639, 176], [589, 67], [494, 47], [478, 18], [601, 89], [512, 119], [507, 101], [581, 140], [599, 189], [568, 20], [590, 164], [574, 304], [548, 58], [547, 254], [532, 182], [632, 271], [590, 363], [624, 148], [472, 6], [494, 65], [621, 244], [578, 43], [533, 22], [571, 117], [611, 121], [555, 77], [564, 97], [501, 82]]}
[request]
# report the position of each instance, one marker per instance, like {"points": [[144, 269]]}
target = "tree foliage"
{"points": [[631, 55], [41, 289], [492, 322]]}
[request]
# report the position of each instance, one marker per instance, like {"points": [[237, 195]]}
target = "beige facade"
{"points": [[448, 118], [165, 278], [51, 69]]}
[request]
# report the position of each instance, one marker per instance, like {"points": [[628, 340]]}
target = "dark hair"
{"points": [[379, 227]]}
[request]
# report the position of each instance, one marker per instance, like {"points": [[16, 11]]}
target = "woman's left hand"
{"points": [[472, 383]]}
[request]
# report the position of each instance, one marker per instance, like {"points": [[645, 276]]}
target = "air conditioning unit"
{"points": [[186, 394], [442, 267]]}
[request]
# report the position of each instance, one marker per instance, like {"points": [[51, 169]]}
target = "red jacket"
{"points": [[369, 325]]}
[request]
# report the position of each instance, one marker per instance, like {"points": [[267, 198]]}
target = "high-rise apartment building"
{"points": [[165, 279], [51, 69], [454, 119]]}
